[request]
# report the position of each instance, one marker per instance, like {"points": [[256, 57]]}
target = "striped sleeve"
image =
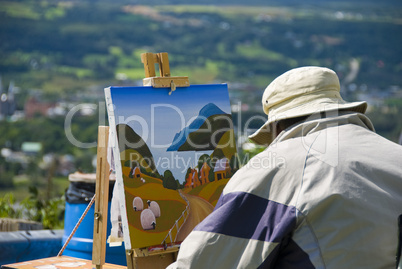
{"points": [[244, 231]]}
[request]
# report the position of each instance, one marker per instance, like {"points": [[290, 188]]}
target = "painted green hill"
{"points": [[207, 137], [129, 139]]}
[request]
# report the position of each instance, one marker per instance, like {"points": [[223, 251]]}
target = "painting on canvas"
{"points": [[173, 155]]}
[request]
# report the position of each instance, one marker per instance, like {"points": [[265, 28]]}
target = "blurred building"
{"points": [[35, 107]]}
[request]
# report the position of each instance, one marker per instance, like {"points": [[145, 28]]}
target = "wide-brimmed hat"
{"points": [[300, 92]]}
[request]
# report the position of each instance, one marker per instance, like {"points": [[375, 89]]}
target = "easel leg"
{"points": [[131, 262], [101, 199]]}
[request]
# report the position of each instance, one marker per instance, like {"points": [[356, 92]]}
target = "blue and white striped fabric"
{"points": [[326, 194]]}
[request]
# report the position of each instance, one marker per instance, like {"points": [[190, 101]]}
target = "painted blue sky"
{"points": [[157, 116]]}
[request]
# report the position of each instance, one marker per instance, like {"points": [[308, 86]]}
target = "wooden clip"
{"points": [[163, 60], [164, 80]]}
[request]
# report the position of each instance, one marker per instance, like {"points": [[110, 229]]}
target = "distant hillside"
{"points": [[62, 47], [256, 2], [70, 50]]}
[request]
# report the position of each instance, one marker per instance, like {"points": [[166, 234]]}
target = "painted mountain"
{"points": [[134, 149], [205, 132]]}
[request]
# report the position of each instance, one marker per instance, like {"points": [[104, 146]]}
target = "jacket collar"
{"points": [[318, 122]]}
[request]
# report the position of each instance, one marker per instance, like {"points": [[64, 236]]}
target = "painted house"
{"points": [[204, 173], [192, 179], [135, 173], [221, 169], [196, 180], [189, 181]]}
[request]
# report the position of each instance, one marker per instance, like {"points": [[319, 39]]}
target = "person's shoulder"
{"points": [[368, 139], [269, 174]]}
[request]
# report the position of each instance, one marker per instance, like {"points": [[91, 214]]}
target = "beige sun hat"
{"points": [[300, 92]]}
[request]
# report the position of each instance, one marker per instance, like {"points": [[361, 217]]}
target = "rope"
{"points": [[76, 226]]}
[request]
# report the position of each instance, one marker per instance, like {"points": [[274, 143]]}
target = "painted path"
{"points": [[199, 209]]}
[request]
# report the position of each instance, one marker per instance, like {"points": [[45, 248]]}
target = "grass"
{"points": [[19, 10], [170, 212], [75, 71], [256, 51], [197, 75], [227, 11], [171, 206], [22, 183], [33, 11], [62, 85], [132, 73], [54, 13]]}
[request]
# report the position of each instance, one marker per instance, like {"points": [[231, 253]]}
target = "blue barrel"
{"points": [[78, 196]]}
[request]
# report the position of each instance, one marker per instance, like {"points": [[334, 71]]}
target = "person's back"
{"points": [[347, 190], [326, 192]]}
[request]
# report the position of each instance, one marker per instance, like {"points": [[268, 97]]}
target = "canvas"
{"points": [[173, 156]]}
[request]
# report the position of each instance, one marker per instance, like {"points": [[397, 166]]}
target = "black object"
{"points": [[79, 192]]}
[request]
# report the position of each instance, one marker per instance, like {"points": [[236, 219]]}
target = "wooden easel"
{"points": [[101, 199], [136, 258]]}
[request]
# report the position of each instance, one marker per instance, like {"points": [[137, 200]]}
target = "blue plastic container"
{"points": [[19, 246], [80, 245]]}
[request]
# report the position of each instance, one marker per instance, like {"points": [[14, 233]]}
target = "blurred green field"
{"points": [[73, 45], [22, 184]]}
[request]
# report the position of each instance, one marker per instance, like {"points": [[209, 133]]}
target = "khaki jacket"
{"points": [[327, 193]]}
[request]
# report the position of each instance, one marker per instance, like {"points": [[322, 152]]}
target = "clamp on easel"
{"points": [[165, 80]]}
